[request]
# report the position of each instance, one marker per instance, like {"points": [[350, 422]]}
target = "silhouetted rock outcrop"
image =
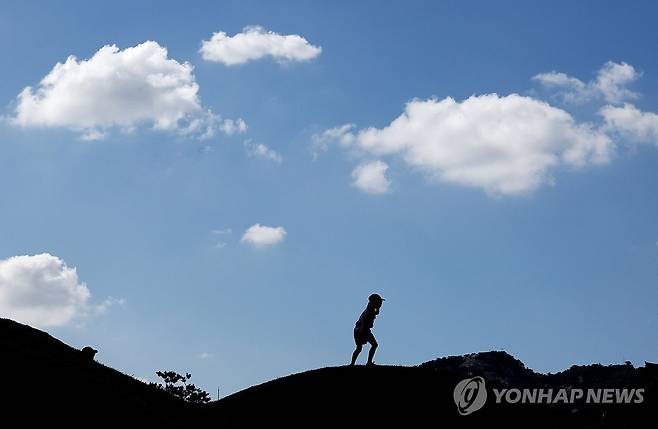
{"points": [[88, 353], [495, 366]]}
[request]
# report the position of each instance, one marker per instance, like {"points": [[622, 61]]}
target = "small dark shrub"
{"points": [[179, 386]]}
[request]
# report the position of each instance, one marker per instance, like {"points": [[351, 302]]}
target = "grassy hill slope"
{"points": [[49, 378], [58, 385]]}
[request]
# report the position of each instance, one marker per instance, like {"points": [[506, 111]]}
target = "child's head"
{"points": [[375, 300]]}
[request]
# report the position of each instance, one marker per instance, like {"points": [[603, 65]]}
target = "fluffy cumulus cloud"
{"points": [[631, 122], [505, 145], [263, 236], [126, 88], [254, 43], [371, 177], [41, 290], [610, 84]]}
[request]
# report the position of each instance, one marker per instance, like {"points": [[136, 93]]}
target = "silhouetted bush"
{"points": [[179, 386]]}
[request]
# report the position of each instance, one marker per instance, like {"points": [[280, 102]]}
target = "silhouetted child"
{"points": [[362, 332]]}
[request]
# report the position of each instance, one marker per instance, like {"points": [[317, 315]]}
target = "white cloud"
{"points": [[93, 135], [120, 88], [504, 145], [230, 126], [560, 80], [262, 236], [204, 355], [610, 84], [41, 290], [320, 141], [255, 43], [631, 122], [109, 302], [371, 177], [263, 151], [612, 79]]}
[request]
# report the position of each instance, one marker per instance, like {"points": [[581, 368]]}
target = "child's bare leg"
{"points": [[356, 353], [371, 352]]}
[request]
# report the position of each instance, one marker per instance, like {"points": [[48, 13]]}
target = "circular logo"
{"points": [[470, 395]]}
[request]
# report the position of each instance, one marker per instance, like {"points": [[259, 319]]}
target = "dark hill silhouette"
{"points": [[47, 381], [51, 378], [422, 396]]}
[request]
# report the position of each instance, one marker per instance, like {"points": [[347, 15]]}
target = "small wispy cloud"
{"points": [[261, 150], [109, 302], [220, 244], [221, 231], [610, 84], [320, 141]]}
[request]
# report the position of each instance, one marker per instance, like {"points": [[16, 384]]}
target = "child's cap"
{"points": [[375, 298]]}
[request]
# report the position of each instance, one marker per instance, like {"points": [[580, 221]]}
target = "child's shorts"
{"points": [[362, 336]]}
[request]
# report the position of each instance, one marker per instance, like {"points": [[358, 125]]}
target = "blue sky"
{"points": [[550, 257]]}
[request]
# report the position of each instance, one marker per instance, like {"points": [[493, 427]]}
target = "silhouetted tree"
{"points": [[179, 386]]}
